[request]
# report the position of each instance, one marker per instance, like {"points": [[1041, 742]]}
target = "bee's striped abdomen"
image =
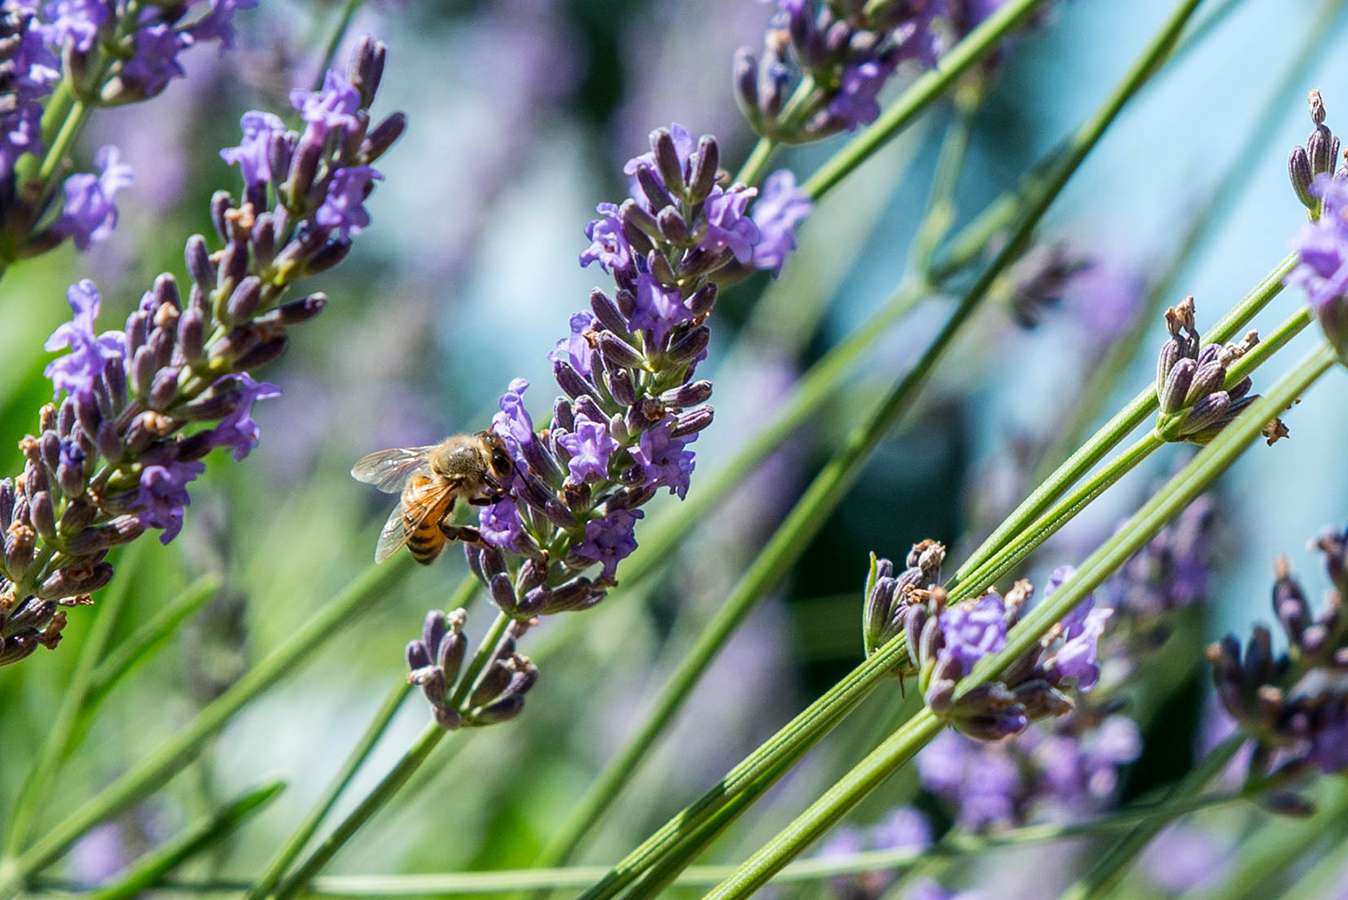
{"points": [[424, 505]]}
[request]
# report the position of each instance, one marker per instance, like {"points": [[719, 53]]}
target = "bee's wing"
{"points": [[388, 469], [393, 536]]}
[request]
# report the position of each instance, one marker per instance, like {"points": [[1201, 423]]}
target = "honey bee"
{"points": [[429, 480]]}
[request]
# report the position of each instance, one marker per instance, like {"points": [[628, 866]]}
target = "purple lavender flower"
{"points": [[855, 103], [658, 308], [1184, 860], [77, 371], [590, 447], [1323, 270], [727, 225], [75, 22], [664, 460], [1078, 657], [608, 246], [980, 782], [237, 430], [610, 540], [20, 133], [973, 631], [513, 423], [903, 829], [334, 106], [154, 62], [684, 146], [89, 213], [778, 212], [163, 496], [575, 348], [343, 208], [500, 524], [218, 23], [253, 154]]}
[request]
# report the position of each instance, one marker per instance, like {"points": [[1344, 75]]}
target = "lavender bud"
{"points": [[302, 310], [382, 136], [503, 593], [667, 161], [303, 168], [192, 336], [367, 68], [70, 478], [243, 302], [657, 198], [672, 226], [689, 346], [569, 380], [606, 311], [1209, 411], [262, 353], [221, 204], [692, 422], [6, 503], [164, 389], [562, 414], [690, 394], [42, 514], [618, 353], [746, 90], [1176, 387], [329, 255], [1299, 170], [143, 367], [708, 161], [92, 540], [109, 442], [1208, 378], [71, 582], [703, 300], [199, 263]]}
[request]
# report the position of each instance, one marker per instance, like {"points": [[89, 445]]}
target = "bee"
{"points": [[429, 480]]}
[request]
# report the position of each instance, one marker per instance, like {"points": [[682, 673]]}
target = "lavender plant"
{"points": [[136, 411], [58, 61]]}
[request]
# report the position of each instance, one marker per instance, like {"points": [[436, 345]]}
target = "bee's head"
{"points": [[498, 460]]}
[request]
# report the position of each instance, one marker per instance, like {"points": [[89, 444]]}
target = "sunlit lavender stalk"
{"points": [[142, 407]]}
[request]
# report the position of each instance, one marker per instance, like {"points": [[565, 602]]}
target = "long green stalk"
{"points": [[800, 872], [35, 786], [166, 761], [1141, 527], [295, 844], [151, 869], [829, 487], [391, 783]]}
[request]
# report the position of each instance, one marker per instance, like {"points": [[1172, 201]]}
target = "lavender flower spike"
{"points": [[138, 410], [1323, 243]]}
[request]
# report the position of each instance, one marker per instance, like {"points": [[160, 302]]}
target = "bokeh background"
{"points": [[522, 113]]}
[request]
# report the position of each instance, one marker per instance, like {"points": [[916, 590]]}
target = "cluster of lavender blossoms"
{"points": [[904, 829], [946, 641], [100, 53], [137, 410], [1069, 768], [841, 54], [1195, 400], [824, 65], [1293, 704], [1323, 242], [630, 404]]}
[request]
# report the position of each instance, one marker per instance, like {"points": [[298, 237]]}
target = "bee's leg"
{"points": [[466, 533]]}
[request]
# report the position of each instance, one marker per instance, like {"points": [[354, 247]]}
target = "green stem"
{"points": [[1142, 407], [335, 41], [1111, 867], [60, 145], [296, 842], [329, 621], [800, 872], [1140, 528], [390, 784], [150, 870], [54, 750], [1283, 849], [923, 92], [372, 803], [752, 170]]}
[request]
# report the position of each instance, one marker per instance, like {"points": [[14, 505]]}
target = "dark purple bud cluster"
{"points": [[1041, 277], [1317, 157], [1294, 704], [143, 406], [106, 53], [1191, 382], [888, 595], [840, 55], [497, 692], [946, 641]]}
